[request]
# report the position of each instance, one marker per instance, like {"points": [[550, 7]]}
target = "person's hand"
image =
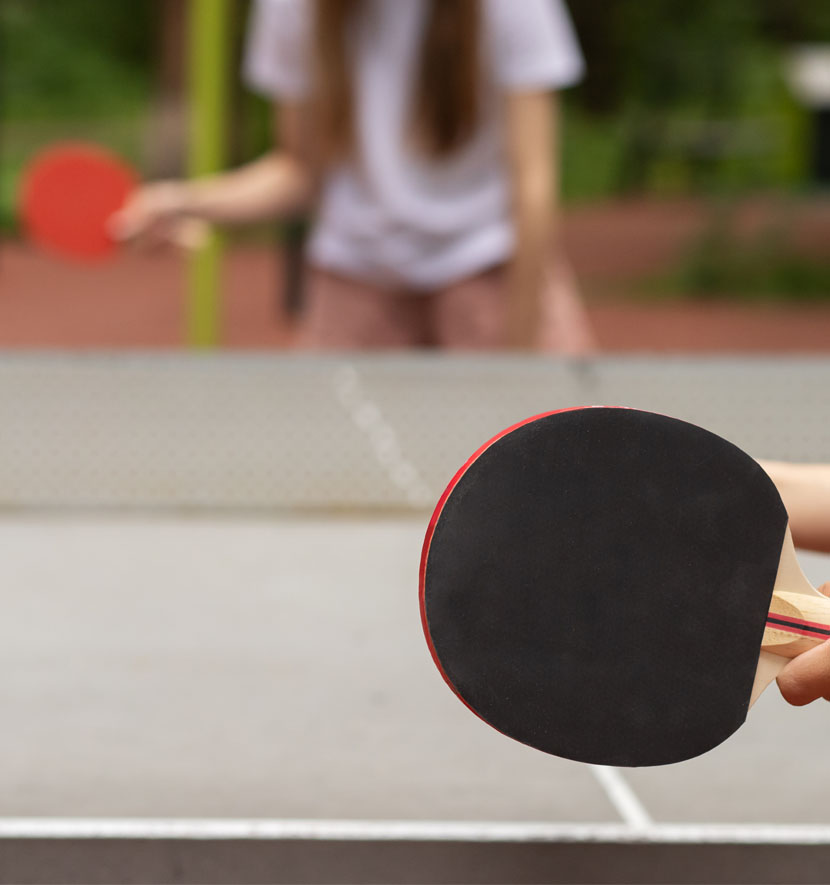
{"points": [[807, 677], [157, 214]]}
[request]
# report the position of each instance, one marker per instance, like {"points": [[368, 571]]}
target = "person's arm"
{"points": [[805, 491], [532, 124], [281, 183]]}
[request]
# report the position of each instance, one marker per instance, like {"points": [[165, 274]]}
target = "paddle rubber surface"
{"points": [[68, 194], [595, 584]]}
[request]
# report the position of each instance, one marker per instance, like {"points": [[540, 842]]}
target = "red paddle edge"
{"points": [[436, 515]]}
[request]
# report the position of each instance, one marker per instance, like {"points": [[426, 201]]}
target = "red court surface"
{"points": [[137, 301]]}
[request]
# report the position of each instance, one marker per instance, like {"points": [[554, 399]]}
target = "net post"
{"points": [[208, 62]]}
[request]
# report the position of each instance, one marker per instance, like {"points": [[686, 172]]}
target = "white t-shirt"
{"points": [[393, 216]]}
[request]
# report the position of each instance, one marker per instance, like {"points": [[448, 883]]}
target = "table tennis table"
{"points": [[212, 672]]}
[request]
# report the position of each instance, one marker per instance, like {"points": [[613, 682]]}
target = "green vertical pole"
{"points": [[209, 51]]}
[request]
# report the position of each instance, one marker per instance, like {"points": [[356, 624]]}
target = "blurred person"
{"points": [[422, 136]]}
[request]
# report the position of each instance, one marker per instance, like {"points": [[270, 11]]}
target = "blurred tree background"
{"points": [[694, 97], [679, 101]]}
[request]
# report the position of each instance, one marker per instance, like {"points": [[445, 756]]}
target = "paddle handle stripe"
{"points": [[798, 626]]}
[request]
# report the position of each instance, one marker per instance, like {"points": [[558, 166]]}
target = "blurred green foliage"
{"points": [[694, 95], [676, 98], [72, 69], [764, 265], [687, 99], [658, 54], [75, 58]]}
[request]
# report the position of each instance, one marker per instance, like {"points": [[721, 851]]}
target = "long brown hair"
{"points": [[446, 102]]}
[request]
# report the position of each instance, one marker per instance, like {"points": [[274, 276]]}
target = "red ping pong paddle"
{"points": [[68, 194], [614, 586]]}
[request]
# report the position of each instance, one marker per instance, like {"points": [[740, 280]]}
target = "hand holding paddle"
{"points": [[807, 678], [614, 586], [157, 214], [71, 199]]}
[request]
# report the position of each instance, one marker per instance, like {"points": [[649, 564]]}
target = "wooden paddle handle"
{"points": [[796, 623]]}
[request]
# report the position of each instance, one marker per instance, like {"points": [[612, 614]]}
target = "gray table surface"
{"points": [[217, 667]]}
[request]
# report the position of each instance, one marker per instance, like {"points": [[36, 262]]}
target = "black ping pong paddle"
{"points": [[614, 586]]}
